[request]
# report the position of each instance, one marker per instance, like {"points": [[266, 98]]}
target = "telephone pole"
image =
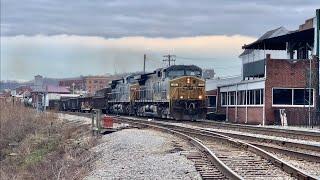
{"points": [[169, 58], [144, 63]]}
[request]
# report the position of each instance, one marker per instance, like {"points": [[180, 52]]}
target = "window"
{"points": [[212, 103], [193, 73], [243, 97], [301, 97], [250, 97], [232, 98], [257, 96], [240, 97], [282, 96], [223, 98], [292, 96], [176, 73], [158, 87]]}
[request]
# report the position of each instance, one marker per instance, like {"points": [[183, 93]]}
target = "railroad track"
{"points": [[306, 157], [301, 151], [233, 158], [313, 135]]}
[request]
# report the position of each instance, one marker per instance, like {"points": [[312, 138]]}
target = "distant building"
{"points": [[94, 83], [76, 84], [38, 83], [23, 89], [88, 84]]}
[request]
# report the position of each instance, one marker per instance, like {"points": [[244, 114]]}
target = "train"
{"points": [[174, 92]]}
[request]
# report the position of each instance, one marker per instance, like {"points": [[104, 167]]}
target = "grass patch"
{"points": [[38, 154], [44, 146]]}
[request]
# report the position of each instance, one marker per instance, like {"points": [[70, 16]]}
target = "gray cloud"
{"points": [[166, 18]]}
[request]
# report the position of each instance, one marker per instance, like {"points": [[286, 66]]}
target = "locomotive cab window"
{"points": [[193, 73], [176, 73]]}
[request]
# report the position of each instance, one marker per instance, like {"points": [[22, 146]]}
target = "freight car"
{"points": [[176, 92]]}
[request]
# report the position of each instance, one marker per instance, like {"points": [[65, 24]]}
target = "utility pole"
{"points": [[73, 84], [169, 58], [310, 86], [144, 63]]}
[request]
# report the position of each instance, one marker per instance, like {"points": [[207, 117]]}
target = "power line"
{"points": [[173, 58], [169, 58], [196, 58]]}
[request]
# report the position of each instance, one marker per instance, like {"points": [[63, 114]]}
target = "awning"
{"points": [[280, 42]]}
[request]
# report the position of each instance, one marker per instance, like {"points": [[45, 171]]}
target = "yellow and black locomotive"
{"points": [[176, 92]]}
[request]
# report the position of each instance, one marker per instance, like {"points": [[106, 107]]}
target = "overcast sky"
{"points": [[58, 38]]}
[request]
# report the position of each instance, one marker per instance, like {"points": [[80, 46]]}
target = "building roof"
{"points": [[280, 42], [269, 34], [212, 84], [57, 89]]}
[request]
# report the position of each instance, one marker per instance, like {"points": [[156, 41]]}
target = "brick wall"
{"points": [[255, 115], [287, 74], [78, 83]]}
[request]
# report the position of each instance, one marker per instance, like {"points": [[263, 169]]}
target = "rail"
{"points": [[298, 173]]}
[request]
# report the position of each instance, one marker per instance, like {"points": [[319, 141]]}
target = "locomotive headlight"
{"points": [[201, 85], [174, 84], [181, 97], [200, 97], [188, 80]]}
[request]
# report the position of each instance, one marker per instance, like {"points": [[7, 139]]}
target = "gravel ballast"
{"points": [[142, 154]]}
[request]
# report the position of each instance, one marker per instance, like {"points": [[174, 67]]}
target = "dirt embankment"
{"points": [[42, 145]]}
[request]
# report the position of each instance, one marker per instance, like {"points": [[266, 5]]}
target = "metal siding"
{"points": [[254, 68]]}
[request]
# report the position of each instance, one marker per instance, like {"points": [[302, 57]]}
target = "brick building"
{"points": [[94, 83], [90, 84], [276, 85], [78, 83]]}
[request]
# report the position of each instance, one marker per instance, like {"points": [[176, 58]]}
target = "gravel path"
{"points": [[312, 168], [142, 154], [74, 118]]}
